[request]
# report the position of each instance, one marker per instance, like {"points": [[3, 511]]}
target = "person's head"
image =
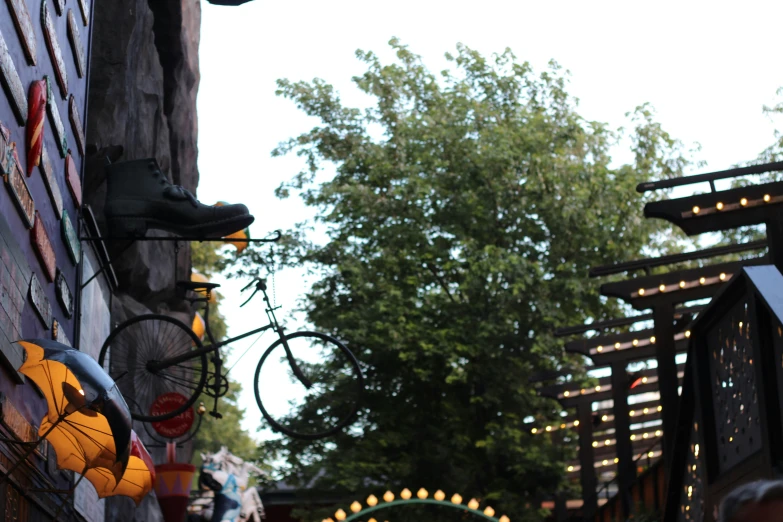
{"points": [[760, 501]]}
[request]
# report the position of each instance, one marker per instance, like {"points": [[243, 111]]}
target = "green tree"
{"points": [[465, 212]]}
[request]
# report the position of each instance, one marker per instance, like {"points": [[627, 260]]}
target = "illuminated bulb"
{"points": [[660, 408], [389, 496], [695, 209], [722, 276], [605, 418], [644, 380], [635, 342], [456, 499], [651, 454], [599, 349], [81, 392], [702, 280], [690, 491], [767, 198], [439, 495], [549, 428], [605, 462], [645, 435], [355, 506], [582, 391], [576, 423], [744, 201], [645, 411], [489, 511], [652, 339], [562, 426], [641, 291], [533, 431], [570, 468], [731, 439], [422, 493], [693, 468], [566, 393], [607, 442], [201, 409], [372, 500], [616, 346], [633, 437], [687, 333], [473, 504], [696, 450], [682, 284], [372, 520], [719, 205], [662, 288], [632, 413], [658, 433], [597, 388], [339, 514], [504, 518], [595, 444], [616, 460], [405, 494]]}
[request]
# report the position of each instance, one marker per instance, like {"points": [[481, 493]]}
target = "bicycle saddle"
{"points": [[197, 285]]}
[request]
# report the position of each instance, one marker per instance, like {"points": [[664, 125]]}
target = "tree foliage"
{"points": [[464, 214]]}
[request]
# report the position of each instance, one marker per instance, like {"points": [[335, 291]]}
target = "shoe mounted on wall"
{"points": [[140, 197]]}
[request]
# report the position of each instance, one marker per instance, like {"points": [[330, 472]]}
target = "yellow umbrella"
{"points": [[199, 327], [137, 480], [87, 421]]}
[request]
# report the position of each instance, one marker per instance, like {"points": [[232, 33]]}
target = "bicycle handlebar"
{"points": [[260, 284]]}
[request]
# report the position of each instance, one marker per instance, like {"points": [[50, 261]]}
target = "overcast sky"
{"points": [[706, 67]]}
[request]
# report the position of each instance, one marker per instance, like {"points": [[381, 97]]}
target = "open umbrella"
{"points": [[137, 480], [87, 421]]}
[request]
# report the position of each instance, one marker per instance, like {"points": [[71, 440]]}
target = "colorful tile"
{"points": [[40, 302], [71, 239], [84, 7], [43, 247], [54, 117], [76, 44], [24, 26], [64, 295], [76, 124], [20, 193], [73, 181], [53, 44], [50, 182], [17, 96], [35, 124]]}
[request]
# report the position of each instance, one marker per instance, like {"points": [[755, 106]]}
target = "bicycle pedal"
{"points": [[216, 414]]}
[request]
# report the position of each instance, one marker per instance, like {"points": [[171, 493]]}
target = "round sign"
{"points": [[175, 426]]}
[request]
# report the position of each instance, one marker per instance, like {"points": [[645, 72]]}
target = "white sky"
{"points": [[707, 67]]}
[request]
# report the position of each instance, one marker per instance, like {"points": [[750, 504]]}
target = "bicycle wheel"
{"points": [[328, 406], [152, 338]]}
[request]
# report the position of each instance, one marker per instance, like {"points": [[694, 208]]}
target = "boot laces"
{"points": [[177, 192]]}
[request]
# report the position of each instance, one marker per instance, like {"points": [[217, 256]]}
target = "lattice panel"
{"points": [[692, 494], [734, 390]]}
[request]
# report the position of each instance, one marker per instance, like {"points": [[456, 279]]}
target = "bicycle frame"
{"points": [[214, 347]]}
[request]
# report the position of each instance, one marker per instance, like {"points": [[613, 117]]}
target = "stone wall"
{"points": [[144, 79]]}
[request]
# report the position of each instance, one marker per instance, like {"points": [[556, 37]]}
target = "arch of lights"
{"points": [[406, 498]]}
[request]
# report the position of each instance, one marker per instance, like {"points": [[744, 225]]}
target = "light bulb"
{"points": [[372, 500], [702, 280], [682, 284], [439, 495], [635, 342], [473, 504], [687, 333], [744, 201], [456, 498], [422, 493], [576, 423], [570, 468], [652, 339], [695, 209], [767, 198], [719, 205], [662, 288], [504, 518], [641, 291], [405, 494], [389, 496], [599, 349], [489, 511], [339, 514], [533, 431], [617, 346], [722, 276], [355, 506]]}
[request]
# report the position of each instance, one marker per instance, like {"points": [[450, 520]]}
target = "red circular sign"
{"points": [[175, 426]]}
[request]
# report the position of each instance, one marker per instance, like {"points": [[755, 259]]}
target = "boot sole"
{"points": [[122, 227]]}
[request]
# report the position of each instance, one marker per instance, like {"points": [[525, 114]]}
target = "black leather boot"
{"points": [[140, 197]]}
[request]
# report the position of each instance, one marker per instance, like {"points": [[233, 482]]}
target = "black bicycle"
{"points": [[152, 355]]}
